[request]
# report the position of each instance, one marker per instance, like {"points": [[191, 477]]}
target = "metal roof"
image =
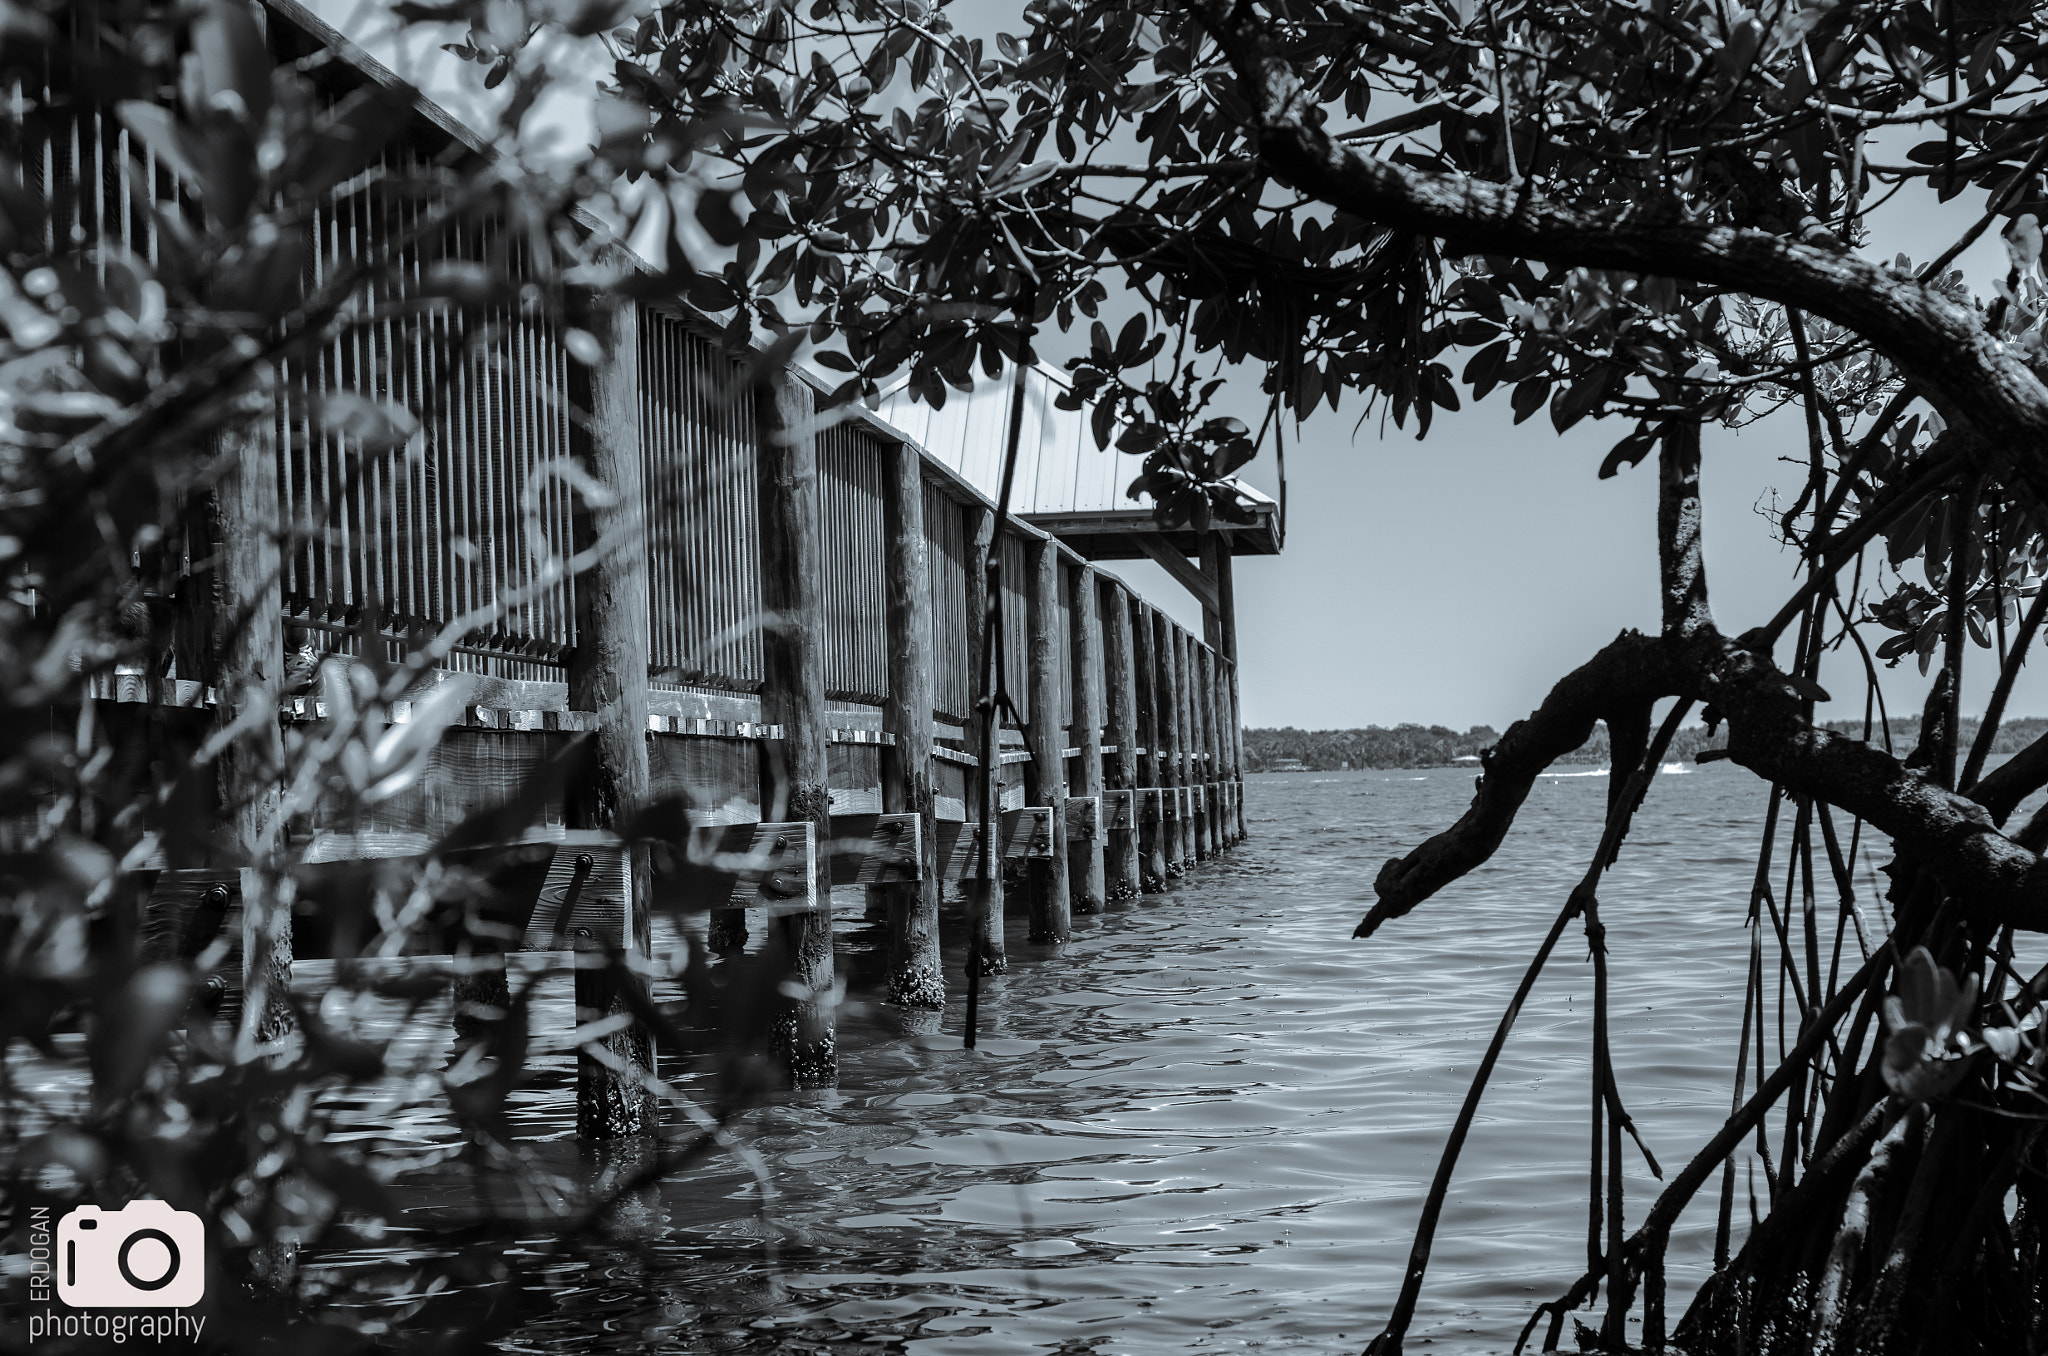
{"points": [[1065, 484]]}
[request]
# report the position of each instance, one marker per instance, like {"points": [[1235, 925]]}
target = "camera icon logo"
{"points": [[145, 1255]]}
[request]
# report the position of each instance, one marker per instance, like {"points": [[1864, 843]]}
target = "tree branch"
{"points": [[1633, 670], [1942, 344]]}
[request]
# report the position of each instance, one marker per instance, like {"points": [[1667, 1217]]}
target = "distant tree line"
{"points": [[1410, 746]]}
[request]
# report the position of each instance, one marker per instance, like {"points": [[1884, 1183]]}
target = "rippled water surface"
{"points": [[1208, 1121]]}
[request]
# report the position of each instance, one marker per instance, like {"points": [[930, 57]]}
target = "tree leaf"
{"points": [[1529, 396]]}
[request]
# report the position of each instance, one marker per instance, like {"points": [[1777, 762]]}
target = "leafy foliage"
{"points": [[1658, 216], [142, 351]]}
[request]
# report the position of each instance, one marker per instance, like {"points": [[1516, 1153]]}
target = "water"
{"points": [[1208, 1122]]}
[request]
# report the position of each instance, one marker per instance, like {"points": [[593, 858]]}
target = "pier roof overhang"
{"points": [[1065, 484]]}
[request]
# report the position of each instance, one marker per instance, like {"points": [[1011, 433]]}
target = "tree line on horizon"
{"points": [[1422, 746]]}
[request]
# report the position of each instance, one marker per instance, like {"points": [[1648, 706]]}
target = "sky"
{"points": [[1452, 581]]}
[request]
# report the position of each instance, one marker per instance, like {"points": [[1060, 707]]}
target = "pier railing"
{"points": [[804, 586]]}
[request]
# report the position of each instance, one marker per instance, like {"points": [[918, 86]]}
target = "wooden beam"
{"points": [[1120, 721], [774, 867], [916, 973], [794, 770], [1084, 822], [1024, 835], [1091, 889], [1225, 642], [1119, 534], [1051, 915], [608, 676], [1188, 576], [1117, 814], [883, 851]]}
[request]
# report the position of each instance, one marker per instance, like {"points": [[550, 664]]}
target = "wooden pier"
{"points": [[781, 628]]}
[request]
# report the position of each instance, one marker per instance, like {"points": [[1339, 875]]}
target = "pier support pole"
{"points": [[1211, 771], [916, 977], [1213, 555], [1198, 748], [984, 800], [1167, 716], [1183, 743], [608, 675], [1219, 728], [1145, 690], [1120, 727], [1190, 734], [246, 625], [1236, 756], [1217, 564], [1050, 902], [1090, 878], [794, 772]]}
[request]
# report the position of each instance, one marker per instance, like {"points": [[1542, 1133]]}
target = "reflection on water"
{"points": [[1207, 1124]]}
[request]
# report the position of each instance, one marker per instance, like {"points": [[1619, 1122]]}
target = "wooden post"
{"points": [[1145, 691], [1050, 903], [246, 622], [1090, 878], [1214, 555], [916, 976], [608, 675], [1211, 754], [1183, 743], [1190, 660], [1202, 696], [984, 801], [1120, 722], [1236, 740], [1190, 741], [1225, 752], [1225, 644], [1192, 652], [794, 769], [1166, 738]]}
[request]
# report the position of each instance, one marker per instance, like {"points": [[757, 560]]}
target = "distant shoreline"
{"points": [[1421, 747]]}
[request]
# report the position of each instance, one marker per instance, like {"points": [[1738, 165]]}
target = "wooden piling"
{"points": [[1051, 906], [1090, 879], [1201, 758], [1237, 755], [1219, 735], [1219, 745], [1201, 693], [1183, 743], [607, 674], [1120, 728], [916, 977], [984, 797], [1231, 729], [794, 769], [246, 626], [1166, 716], [1150, 766], [1190, 740]]}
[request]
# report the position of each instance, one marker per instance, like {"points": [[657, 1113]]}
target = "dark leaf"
{"points": [[1529, 397]]}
